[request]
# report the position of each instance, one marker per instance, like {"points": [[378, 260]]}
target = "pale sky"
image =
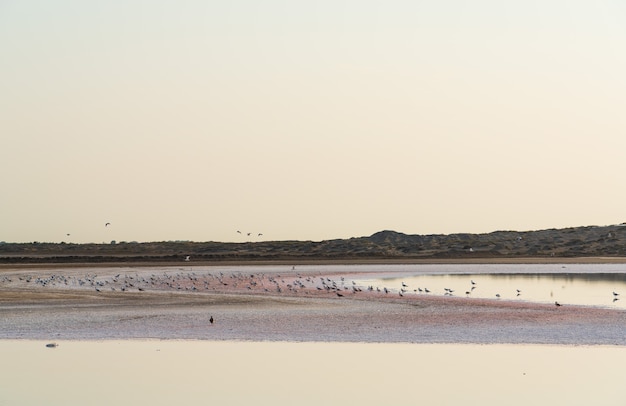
{"points": [[308, 120]]}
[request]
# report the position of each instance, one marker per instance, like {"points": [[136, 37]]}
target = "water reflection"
{"points": [[596, 289], [235, 373]]}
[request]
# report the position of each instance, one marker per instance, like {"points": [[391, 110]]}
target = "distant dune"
{"points": [[390, 246]]}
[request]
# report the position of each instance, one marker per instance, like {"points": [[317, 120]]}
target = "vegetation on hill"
{"points": [[569, 242]]}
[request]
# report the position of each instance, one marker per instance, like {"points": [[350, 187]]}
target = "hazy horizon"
{"points": [[308, 120], [254, 239]]}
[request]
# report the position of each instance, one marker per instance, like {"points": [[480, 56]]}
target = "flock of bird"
{"points": [[206, 281], [450, 292], [249, 234]]}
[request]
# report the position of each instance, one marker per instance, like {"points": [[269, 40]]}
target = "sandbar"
{"points": [[272, 303]]}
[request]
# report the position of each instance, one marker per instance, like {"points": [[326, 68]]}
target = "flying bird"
{"points": [[107, 224]]}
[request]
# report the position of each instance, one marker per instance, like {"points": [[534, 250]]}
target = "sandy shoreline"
{"points": [[272, 303]]}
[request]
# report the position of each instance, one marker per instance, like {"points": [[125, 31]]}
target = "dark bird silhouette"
{"points": [[211, 320], [557, 304], [107, 224]]}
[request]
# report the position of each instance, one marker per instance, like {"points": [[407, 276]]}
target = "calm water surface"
{"points": [[580, 284], [279, 373]]}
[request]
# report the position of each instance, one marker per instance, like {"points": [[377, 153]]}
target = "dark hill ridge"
{"points": [[590, 241]]}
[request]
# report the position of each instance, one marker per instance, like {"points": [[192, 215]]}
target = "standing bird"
{"points": [[211, 320], [557, 304]]}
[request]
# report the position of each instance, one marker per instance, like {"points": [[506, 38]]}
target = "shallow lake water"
{"points": [[285, 373], [581, 284]]}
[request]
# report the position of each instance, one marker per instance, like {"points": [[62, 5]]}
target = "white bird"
{"points": [[187, 257]]}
